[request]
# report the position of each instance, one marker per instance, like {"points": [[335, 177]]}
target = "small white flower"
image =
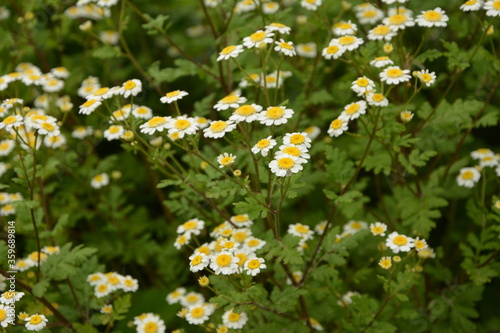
{"points": [[275, 115], [181, 126], [36, 322], [381, 62], [231, 51], [114, 132], [307, 50], [224, 263], [300, 139], [426, 78], [99, 180], [131, 88], [230, 101], [285, 48], [468, 177], [155, 124], [378, 228], [432, 18], [258, 38], [225, 159], [198, 262], [377, 99], [311, 4], [362, 85], [300, 230], [281, 28], [338, 126], [234, 320], [472, 5], [89, 106], [349, 42], [354, 110], [246, 113], [333, 51], [345, 28], [218, 129], [381, 32], [399, 243], [285, 166], [173, 96], [395, 75]]}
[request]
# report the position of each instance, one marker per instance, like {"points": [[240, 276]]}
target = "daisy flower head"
{"points": [[80, 132], [231, 51], [198, 314], [129, 284], [472, 5], [307, 50], [385, 262], [369, 15], [176, 295], [182, 240], [420, 244], [275, 115], [234, 320], [301, 139], [151, 324], [225, 159], [381, 32], [52, 85], [36, 322], [425, 77], [131, 88], [250, 80], [6, 146], [270, 8], [285, 48], [432, 18], [192, 226], [377, 99], [281, 28], [142, 112], [230, 101], [244, 6], [10, 297], [212, 3], [293, 151], [114, 132], [362, 85], [481, 153], [173, 96], [381, 62], [241, 220], [353, 227], [311, 4], [300, 230], [395, 75], [99, 180], [271, 81], [399, 243], [54, 142], [333, 51], [285, 166], [11, 122], [100, 94], [218, 129], [247, 112], [106, 309], [488, 161], [155, 124], [353, 110], [198, 261], [406, 116], [346, 299], [492, 8], [468, 177], [181, 126], [254, 265], [399, 20], [224, 263], [345, 28], [89, 106], [338, 126], [264, 146], [102, 289], [378, 228], [349, 42], [258, 38]]}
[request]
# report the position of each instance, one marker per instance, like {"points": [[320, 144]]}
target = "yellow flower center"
{"points": [[294, 151], [243, 258], [245, 110], [190, 225], [258, 36], [386, 263], [398, 19], [307, 48], [381, 30], [114, 129], [100, 91], [35, 320], [378, 97], [426, 77], [223, 260], [34, 256], [48, 127], [271, 79], [394, 72], [4, 145], [226, 160], [230, 99], [3, 314], [496, 5], [286, 163], [470, 2], [88, 103], [102, 288], [302, 229], [218, 126], [182, 240], [253, 242], [158, 121], [129, 85], [382, 58], [113, 279], [377, 230], [233, 317], [344, 26], [228, 245], [151, 327], [98, 178], [240, 236], [356, 225], [192, 299], [197, 312], [119, 114], [241, 218], [467, 175], [354, 108], [196, 260], [227, 50], [433, 16], [297, 139], [275, 112], [173, 94], [204, 249], [419, 244], [336, 124], [278, 25], [347, 40], [400, 240], [286, 46], [332, 49], [9, 120]]}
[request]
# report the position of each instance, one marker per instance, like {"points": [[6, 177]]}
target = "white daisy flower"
{"points": [[333, 51], [381, 32], [385, 262], [377, 99], [129, 284], [370, 15], [354, 110], [399, 21], [60, 72], [420, 244], [338, 126], [11, 122], [181, 126], [176, 295], [241, 220], [131, 88], [218, 129], [399, 243], [36, 322], [468, 177], [492, 8], [300, 152], [275, 115], [151, 324], [10, 297], [235, 320], [285, 48], [182, 240], [301, 139], [426, 78], [488, 161], [114, 132], [99, 180], [311, 4], [481, 153], [307, 50], [353, 227], [156, 124], [257, 38], [432, 18], [345, 28], [362, 85], [224, 263], [231, 51], [54, 142], [198, 314], [198, 262], [285, 166], [142, 112], [378, 228], [270, 8], [230, 101], [406, 116], [173, 96], [281, 28], [301, 230], [395, 75], [313, 132], [246, 113], [6, 146], [80, 132], [225, 159], [102, 290], [349, 42], [381, 62], [89, 106], [472, 5], [254, 244], [192, 226]]}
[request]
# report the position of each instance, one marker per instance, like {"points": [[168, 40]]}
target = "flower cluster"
{"points": [[106, 283], [469, 176]]}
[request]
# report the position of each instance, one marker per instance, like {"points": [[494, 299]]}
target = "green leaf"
{"points": [[285, 251], [251, 207], [168, 182], [106, 52], [286, 299], [487, 120], [184, 68], [320, 97], [457, 57], [84, 328], [40, 288], [349, 197], [67, 262], [155, 25], [431, 55], [121, 305]]}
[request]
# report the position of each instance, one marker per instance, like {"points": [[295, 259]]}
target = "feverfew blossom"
{"points": [[279, 27], [218, 129], [311, 4], [399, 243], [468, 177], [426, 78], [275, 115], [395, 75], [333, 51], [285, 48], [36, 322], [131, 88], [173, 96], [432, 18], [155, 124], [307, 50], [230, 101], [181, 126], [225, 159], [492, 8], [472, 5], [257, 38], [247, 112], [234, 320], [378, 228], [264, 146], [99, 180], [231, 51], [285, 166], [354, 110], [338, 126]]}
